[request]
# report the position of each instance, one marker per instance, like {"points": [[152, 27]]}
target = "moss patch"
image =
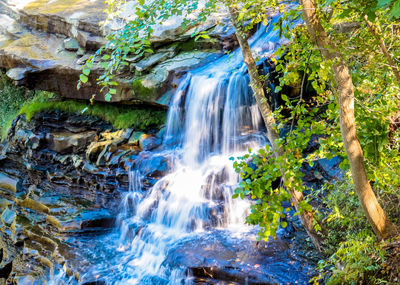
{"points": [[18, 100], [11, 100], [138, 118], [141, 91]]}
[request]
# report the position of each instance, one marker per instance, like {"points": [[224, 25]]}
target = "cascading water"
{"points": [[213, 116]]}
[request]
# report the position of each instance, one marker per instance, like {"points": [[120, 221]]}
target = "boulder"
{"points": [[151, 87], [222, 257], [70, 142], [102, 150], [152, 166]]}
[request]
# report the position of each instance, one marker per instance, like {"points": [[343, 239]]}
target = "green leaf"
{"points": [[105, 57], [86, 71], [112, 91], [83, 78], [107, 97], [395, 12], [241, 16], [383, 3], [284, 224]]}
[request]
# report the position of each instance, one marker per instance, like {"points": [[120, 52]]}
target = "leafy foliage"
{"points": [[260, 171], [353, 253]]}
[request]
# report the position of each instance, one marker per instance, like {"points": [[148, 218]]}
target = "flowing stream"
{"points": [[213, 116]]}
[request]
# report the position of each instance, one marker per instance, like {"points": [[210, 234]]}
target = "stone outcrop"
{"points": [[62, 176], [44, 44]]}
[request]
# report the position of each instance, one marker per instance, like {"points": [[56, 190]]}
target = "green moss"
{"points": [[18, 100], [11, 100], [189, 45], [119, 116], [141, 91], [199, 44]]}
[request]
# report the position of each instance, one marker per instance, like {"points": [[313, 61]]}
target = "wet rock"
{"points": [[98, 282], [8, 183], [109, 141], [150, 143], [145, 141], [25, 280], [116, 136], [330, 168], [53, 221], [8, 216], [4, 203], [69, 142], [80, 52], [140, 138], [33, 205], [90, 168], [94, 221], [95, 149], [102, 223], [147, 63], [226, 259], [28, 138], [151, 87], [71, 45], [185, 60], [136, 136], [152, 166]]}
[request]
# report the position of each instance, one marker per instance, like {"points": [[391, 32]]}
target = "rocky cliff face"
{"points": [[61, 176], [43, 45]]}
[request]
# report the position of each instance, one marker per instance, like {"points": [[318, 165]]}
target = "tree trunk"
{"points": [[381, 225], [307, 218]]}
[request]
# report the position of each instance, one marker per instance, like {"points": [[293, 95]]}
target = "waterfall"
{"points": [[213, 116]]}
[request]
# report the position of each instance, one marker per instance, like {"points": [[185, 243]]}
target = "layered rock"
{"points": [[44, 44], [61, 175]]}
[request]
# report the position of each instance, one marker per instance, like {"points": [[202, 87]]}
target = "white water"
{"points": [[212, 117]]}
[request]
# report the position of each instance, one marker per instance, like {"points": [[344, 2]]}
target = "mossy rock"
{"points": [[143, 92]]}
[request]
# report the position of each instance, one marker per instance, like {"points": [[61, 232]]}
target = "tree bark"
{"points": [[381, 225], [384, 50], [307, 218]]}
